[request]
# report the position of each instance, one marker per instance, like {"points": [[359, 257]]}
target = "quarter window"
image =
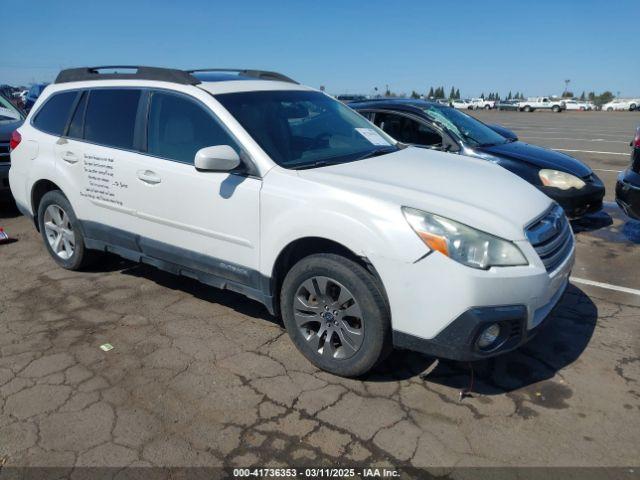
{"points": [[178, 128], [111, 117], [75, 127], [54, 114]]}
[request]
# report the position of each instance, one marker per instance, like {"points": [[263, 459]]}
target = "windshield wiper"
{"points": [[320, 163], [377, 152]]}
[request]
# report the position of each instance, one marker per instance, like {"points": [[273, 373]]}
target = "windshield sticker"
{"points": [[374, 137]]}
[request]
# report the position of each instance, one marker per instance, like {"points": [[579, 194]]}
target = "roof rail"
{"points": [[259, 74], [139, 73]]}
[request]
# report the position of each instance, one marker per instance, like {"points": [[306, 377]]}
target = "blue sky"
{"points": [[348, 46]]}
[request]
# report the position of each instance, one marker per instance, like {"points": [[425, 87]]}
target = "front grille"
{"points": [[4, 152], [551, 238]]}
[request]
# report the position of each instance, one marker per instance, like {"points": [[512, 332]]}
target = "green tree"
{"points": [[604, 97], [510, 96], [496, 96], [452, 93], [482, 95], [415, 94], [457, 94], [567, 94], [591, 96], [431, 93], [582, 97]]}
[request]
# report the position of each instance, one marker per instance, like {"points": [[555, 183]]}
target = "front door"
{"points": [[208, 221]]}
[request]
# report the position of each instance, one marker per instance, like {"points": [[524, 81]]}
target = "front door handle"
{"points": [[70, 157], [148, 176]]}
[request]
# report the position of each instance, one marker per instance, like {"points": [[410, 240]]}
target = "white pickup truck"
{"points": [[479, 103], [542, 103]]}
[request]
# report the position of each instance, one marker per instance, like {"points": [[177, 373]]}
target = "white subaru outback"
{"points": [[248, 181]]}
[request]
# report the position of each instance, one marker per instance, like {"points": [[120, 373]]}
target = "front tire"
{"points": [[336, 314], [487, 107], [61, 232], [528, 109], [555, 109]]}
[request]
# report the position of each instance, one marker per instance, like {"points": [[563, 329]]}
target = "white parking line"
{"points": [[606, 286], [579, 139], [605, 170], [590, 151]]}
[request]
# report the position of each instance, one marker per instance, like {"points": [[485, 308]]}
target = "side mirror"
{"points": [[221, 158]]}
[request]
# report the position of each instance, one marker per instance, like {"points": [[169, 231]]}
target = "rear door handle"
{"points": [[148, 176], [70, 157]]}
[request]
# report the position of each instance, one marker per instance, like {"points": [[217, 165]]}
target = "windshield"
{"points": [[464, 126], [302, 129], [8, 111]]}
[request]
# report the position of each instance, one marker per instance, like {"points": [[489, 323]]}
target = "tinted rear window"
{"points": [[54, 114], [111, 117]]}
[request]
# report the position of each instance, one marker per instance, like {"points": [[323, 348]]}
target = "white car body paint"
{"points": [[357, 204]]}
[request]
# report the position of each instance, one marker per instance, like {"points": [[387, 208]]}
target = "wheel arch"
{"points": [[39, 190], [300, 248]]}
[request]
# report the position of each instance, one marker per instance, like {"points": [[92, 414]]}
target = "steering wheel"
{"points": [[321, 140]]}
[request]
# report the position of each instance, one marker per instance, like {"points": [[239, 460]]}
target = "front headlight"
{"points": [[561, 180], [461, 243]]}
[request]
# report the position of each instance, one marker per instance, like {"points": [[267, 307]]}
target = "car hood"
{"points": [[7, 127], [471, 191], [540, 157]]}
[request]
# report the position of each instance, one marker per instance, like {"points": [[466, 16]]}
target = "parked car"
{"points": [[32, 95], [350, 98], [542, 103], [628, 184], [481, 103], [567, 180], [513, 105], [621, 104], [463, 104], [10, 119], [573, 104], [284, 194]]}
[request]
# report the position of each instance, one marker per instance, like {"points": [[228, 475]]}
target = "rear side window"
{"points": [[178, 127], [54, 114], [110, 118]]}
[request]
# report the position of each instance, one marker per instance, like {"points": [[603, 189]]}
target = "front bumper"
{"points": [[628, 193], [439, 306], [577, 203], [458, 340]]}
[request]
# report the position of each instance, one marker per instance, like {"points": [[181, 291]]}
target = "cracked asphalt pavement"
{"points": [[203, 377]]}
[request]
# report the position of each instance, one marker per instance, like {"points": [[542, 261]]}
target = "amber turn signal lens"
{"points": [[435, 242]]}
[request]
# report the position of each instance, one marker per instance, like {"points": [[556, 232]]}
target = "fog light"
{"points": [[488, 336]]}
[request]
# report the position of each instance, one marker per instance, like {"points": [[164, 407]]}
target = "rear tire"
{"points": [[61, 232], [609, 109], [555, 109], [487, 107], [336, 314], [528, 109]]}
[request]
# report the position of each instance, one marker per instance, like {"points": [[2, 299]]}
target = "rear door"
{"points": [[99, 151]]}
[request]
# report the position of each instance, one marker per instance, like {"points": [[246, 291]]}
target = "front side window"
{"points": [[110, 118], [305, 129], [465, 127], [178, 127], [408, 130], [53, 116], [8, 111]]}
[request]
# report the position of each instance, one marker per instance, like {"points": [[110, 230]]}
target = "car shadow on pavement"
{"points": [[592, 222], [559, 343], [227, 298], [8, 209]]}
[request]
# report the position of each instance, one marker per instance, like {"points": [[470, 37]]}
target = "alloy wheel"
{"points": [[329, 318], [59, 232]]}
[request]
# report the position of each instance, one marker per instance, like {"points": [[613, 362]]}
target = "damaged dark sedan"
{"points": [[565, 179]]}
